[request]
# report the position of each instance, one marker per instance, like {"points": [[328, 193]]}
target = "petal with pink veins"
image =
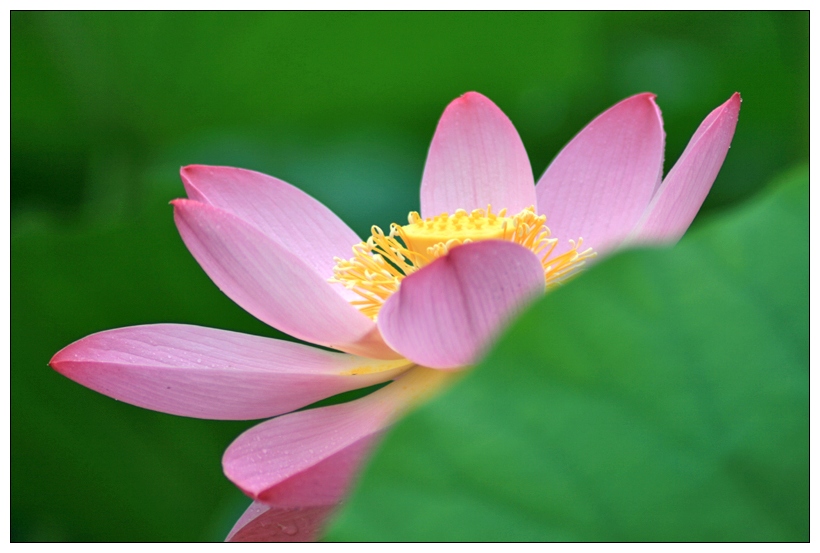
{"points": [[273, 284], [310, 457], [263, 523], [600, 183], [680, 196], [284, 213], [476, 158], [214, 374], [446, 314]]}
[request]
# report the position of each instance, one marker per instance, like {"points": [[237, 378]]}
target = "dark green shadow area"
{"points": [[86, 467], [662, 396]]}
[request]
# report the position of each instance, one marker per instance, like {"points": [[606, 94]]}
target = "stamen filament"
{"points": [[378, 265]]}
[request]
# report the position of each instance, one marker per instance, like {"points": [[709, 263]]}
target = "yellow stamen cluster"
{"points": [[378, 265]]}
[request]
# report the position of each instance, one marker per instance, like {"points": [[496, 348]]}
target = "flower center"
{"points": [[421, 234], [378, 265]]}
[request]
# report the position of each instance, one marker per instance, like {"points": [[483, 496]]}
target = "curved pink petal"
{"points": [[309, 458], [685, 187], [476, 158], [272, 283], [284, 213], [445, 315], [601, 182], [324, 483], [214, 374], [263, 523]]}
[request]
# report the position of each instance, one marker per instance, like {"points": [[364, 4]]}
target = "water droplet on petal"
{"points": [[289, 528]]}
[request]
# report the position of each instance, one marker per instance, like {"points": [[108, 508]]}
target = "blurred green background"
{"points": [[107, 106]]}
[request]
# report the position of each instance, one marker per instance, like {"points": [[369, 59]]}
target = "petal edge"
{"points": [[299, 222], [213, 374], [309, 457], [272, 283], [598, 186], [476, 158], [684, 189], [445, 315]]}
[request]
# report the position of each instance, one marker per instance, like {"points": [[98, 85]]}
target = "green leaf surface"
{"points": [[663, 395]]}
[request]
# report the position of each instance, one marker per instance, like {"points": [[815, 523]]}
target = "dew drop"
{"points": [[289, 528]]}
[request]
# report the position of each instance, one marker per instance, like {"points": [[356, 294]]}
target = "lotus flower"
{"points": [[412, 306]]}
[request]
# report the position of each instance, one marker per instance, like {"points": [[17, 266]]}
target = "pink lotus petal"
{"points": [[601, 182], [262, 523], [446, 314], [309, 457], [326, 482], [476, 158], [282, 448], [685, 187], [284, 213], [272, 283], [213, 374]]}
